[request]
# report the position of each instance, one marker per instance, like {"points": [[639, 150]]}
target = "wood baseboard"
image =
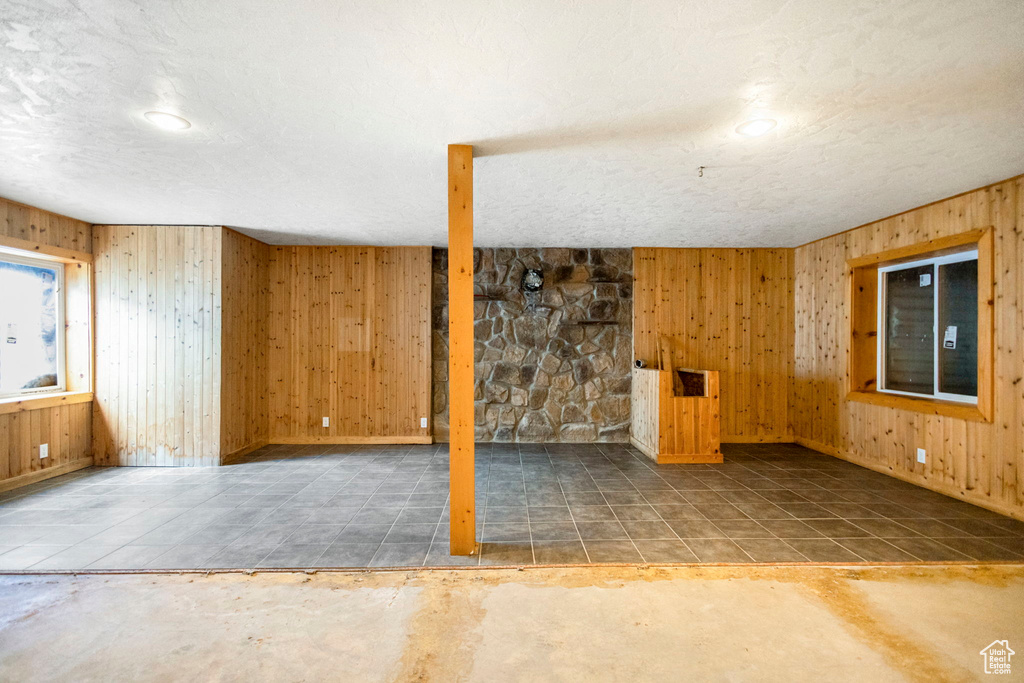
{"points": [[44, 474], [769, 438], [351, 440], [951, 491], [235, 456], [689, 458], [676, 458]]}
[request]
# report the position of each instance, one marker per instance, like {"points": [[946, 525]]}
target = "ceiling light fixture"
{"points": [[756, 127], [167, 121]]}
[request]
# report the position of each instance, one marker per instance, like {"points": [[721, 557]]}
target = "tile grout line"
{"points": [[526, 497], [572, 516]]}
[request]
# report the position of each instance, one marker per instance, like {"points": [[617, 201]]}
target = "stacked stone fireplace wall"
{"points": [[553, 365]]}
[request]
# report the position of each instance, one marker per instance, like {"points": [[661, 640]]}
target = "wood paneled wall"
{"points": [[35, 225], [979, 462], [211, 344], [158, 331], [349, 340], [245, 309], [729, 310], [64, 424]]}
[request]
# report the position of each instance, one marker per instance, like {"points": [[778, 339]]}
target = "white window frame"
{"points": [[61, 323], [935, 262]]}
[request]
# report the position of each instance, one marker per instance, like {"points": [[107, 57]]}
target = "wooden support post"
{"points": [[460, 349]]}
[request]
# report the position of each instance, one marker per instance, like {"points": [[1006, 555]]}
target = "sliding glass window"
{"points": [[928, 324]]}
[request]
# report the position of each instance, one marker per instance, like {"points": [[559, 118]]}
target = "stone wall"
{"points": [[553, 365]]}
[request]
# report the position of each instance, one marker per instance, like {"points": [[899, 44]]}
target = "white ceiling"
{"points": [[326, 121]]}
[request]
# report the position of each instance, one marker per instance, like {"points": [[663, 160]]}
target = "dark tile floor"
{"points": [[331, 506]]}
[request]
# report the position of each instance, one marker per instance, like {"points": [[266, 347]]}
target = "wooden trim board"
{"points": [[45, 401], [235, 456], [43, 251], [930, 406], [913, 250], [688, 459], [767, 438], [44, 474], [351, 440]]}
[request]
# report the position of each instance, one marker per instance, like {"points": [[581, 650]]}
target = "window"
{"points": [[921, 326], [928, 323], [32, 326]]}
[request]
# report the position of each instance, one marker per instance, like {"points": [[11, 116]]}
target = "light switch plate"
{"points": [[921, 455]]}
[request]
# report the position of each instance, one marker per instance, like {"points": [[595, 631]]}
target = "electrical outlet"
{"points": [[921, 455], [44, 450], [423, 422], [327, 422]]}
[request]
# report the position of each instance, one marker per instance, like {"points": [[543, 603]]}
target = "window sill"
{"points": [[17, 404], [929, 406]]}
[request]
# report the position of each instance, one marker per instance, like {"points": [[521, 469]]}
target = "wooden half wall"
{"points": [[976, 461], [64, 423], [729, 310], [349, 341]]}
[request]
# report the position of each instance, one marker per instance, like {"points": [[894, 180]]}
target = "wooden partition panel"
{"points": [[729, 310], [244, 335], [974, 460], [349, 340], [65, 424], [158, 331]]}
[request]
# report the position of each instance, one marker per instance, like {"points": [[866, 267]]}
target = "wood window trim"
{"points": [[20, 404], [862, 350], [79, 340], [20, 247]]}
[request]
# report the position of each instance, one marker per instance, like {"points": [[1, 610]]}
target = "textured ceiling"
{"points": [[326, 121]]}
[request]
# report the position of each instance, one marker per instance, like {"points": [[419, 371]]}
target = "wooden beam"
{"points": [[460, 349]]}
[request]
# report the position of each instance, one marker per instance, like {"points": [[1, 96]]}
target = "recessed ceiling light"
{"points": [[756, 127], [167, 121]]}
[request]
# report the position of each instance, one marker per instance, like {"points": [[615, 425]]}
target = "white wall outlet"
{"points": [[327, 422], [44, 450], [423, 422], [921, 455]]}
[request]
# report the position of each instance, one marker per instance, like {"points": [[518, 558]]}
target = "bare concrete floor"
{"points": [[764, 623]]}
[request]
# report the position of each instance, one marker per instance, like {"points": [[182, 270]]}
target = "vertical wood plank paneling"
{"points": [[66, 428], [244, 344], [348, 339], [158, 345], [35, 225], [729, 310], [976, 461]]}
